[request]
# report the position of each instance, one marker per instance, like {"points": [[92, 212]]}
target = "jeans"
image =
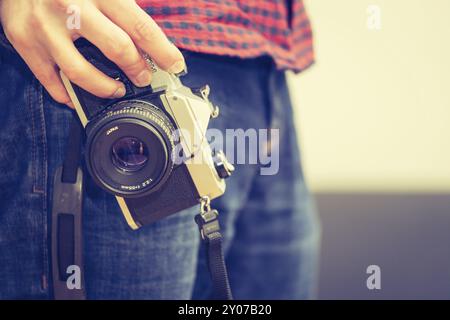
{"points": [[271, 231]]}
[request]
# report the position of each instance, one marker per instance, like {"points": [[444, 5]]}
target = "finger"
{"points": [[45, 71], [116, 45], [78, 70], [144, 31]]}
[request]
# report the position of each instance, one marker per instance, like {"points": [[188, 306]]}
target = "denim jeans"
{"points": [[271, 232]]}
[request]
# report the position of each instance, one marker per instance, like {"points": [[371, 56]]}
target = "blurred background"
{"points": [[374, 126]]}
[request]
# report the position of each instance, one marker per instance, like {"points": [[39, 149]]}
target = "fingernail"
{"points": [[144, 78], [120, 92], [177, 67], [70, 104]]}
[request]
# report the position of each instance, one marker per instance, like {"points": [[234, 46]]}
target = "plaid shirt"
{"points": [[242, 28]]}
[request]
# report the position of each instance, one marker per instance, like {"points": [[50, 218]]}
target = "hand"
{"points": [[39, 31]]}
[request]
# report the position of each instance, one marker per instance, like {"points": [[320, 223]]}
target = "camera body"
{"points": [[149, 148]]}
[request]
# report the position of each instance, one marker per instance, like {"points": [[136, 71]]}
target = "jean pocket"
{"points": [[16, 142], [19, 126]]}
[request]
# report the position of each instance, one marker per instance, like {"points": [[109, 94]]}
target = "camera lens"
{"points": [[129, 154], [128, 149]]}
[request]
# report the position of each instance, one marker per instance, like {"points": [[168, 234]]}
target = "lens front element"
{"points": [[129, 154]]}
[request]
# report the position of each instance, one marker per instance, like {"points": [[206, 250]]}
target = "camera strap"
{"points": [[67, 236], [209, 227]]}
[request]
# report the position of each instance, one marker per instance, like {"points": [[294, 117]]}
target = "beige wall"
{"points": [[374, 112]]}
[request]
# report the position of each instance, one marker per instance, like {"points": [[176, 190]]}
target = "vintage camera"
{"points": [[144, 148]]}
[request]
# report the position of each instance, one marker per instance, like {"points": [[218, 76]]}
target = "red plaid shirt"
{"points": [[243, 28]]}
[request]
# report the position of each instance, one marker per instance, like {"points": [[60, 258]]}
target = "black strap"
{"points": [[67, 239], [208, 224], [73, 153]]}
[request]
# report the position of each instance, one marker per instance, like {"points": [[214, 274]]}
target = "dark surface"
{"points": [[408, 236]]}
